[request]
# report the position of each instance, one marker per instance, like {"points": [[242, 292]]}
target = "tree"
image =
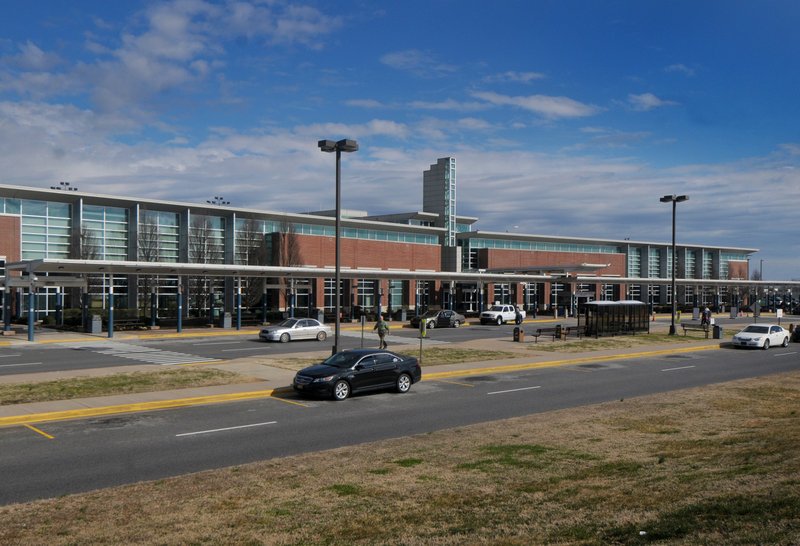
{"points": [[204, 248], [252, 249], [147, 252], [86, 246], [288, 252]]}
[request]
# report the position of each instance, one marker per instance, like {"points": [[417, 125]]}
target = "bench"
{"points": [[127, 323], [553, 332], [693, 326], [578, 331]]}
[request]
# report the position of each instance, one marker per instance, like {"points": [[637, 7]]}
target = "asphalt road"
{"points": [[104, 352], [88, 454]]}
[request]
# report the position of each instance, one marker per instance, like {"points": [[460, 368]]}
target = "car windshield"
{"points": [[342, 360], [495, 308], [430, 314], [753, 329], [288, 323]]}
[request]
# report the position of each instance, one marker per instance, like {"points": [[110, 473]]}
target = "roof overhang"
{"points": [[108, 267]]}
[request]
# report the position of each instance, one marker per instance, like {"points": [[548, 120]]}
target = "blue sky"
{"points": [[566, 117]]}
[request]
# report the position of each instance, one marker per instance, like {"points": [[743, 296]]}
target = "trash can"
{"points": [[519, 334], [718, 331], [95, 325], [558, 331], [225, 320]]}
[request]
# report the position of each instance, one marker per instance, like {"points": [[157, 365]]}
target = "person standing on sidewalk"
{"points": [[383, 328]]}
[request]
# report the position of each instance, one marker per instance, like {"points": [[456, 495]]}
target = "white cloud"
{"points": [[448, 104], [364, 103], [417, 62], [543, 105], [680, 68], [648, 101], [515, 77]]}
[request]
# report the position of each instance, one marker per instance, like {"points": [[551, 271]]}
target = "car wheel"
{"points": [[431, 325], [403, 383], [284, 338], [766, 344], [499, 321], [321, 336], [341, 390], [785, 342], [456, 323]]}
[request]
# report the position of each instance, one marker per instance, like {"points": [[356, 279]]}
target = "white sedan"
{"points": [[762, 335], [296, 328]]}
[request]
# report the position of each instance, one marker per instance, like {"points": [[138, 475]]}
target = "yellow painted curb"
{"points": [[135, 407]]}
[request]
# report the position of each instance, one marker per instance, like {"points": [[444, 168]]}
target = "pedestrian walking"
{"points": [[383, 328]]}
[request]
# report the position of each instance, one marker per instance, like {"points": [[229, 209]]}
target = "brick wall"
{"points": [[10, 241], [321, 252]]}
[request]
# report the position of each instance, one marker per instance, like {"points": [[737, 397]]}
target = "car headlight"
{"points": [[324, 379]]}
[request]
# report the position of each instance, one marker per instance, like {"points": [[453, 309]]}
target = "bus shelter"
{"points": [[612, 318]]}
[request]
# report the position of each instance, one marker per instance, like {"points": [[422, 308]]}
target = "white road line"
{"points": [[515, 390], [6, 356], [787, 354], [216, 343], [224, 429], [23, 364], [680, 368], [244, 349]]}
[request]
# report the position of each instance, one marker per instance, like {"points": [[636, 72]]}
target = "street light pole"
{"points": [[344, 145], [674, 199]]}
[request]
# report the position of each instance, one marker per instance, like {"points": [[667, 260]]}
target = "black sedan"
{"points": [[358, 370]]}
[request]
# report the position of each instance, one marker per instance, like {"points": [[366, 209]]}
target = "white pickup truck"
{"points": [[498, 314]]}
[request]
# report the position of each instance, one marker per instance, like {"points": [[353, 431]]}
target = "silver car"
{"points": [[295, 328]]}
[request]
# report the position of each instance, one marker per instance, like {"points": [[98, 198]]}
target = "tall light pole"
{"points": [[344, 145], [674, 199]]}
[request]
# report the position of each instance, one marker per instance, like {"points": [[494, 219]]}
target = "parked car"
{"points": [[439, 319], [762, 335], [295, 328], [358, 370]]}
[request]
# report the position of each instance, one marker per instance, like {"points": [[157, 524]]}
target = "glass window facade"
{"points": [[105, 230], [159, 236], [207, 239], [690, 264], [654, 263], [46, 229], [634, 262], [708, 264]]}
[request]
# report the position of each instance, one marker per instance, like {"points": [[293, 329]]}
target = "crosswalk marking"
{"points": [[143, 354]]}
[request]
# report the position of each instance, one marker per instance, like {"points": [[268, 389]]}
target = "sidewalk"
{"points": [[269, 380]]}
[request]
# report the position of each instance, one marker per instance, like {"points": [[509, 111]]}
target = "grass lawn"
{"points": [[121, 383], [713, 465]]}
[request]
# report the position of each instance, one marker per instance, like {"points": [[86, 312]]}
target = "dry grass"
{"points": [[120, 383], [605, 343], [712, 465]]}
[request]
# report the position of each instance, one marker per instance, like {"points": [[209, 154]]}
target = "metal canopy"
{"points": [[42, 282], [99, 267]]}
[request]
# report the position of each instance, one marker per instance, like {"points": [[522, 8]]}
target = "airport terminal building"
{"points": [[146, 251]]}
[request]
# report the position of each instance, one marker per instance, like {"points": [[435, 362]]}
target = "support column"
{"points": [[111, 307]]}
